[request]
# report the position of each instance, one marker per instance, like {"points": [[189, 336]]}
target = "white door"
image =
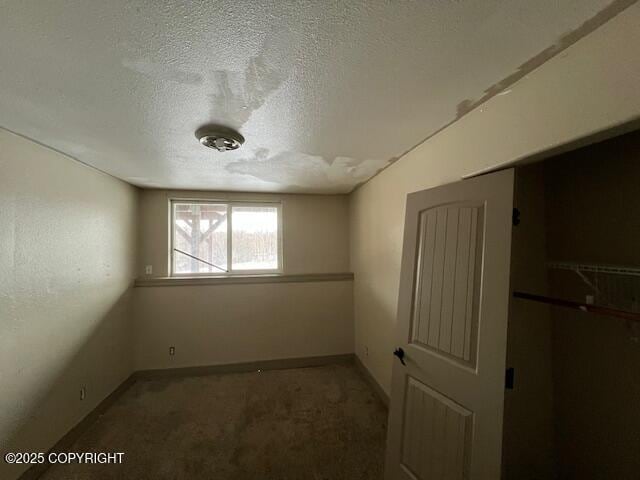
{"points": [[445, 419]]}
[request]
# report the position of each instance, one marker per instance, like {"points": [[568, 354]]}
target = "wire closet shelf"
{"points": [[629, 312]]}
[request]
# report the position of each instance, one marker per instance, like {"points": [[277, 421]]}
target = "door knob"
{"points": [[399, 352]]}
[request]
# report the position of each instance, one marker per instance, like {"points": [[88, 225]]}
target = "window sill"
{"points": [[242, 279]]}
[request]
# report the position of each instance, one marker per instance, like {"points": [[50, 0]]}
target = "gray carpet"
{"points": [[321, 423]]}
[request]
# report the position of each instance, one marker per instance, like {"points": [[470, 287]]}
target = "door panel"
{"points": [[444, 317], [430, 414], [445, 418]]}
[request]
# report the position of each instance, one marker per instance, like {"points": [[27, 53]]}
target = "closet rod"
{"points": [[584, 307]]}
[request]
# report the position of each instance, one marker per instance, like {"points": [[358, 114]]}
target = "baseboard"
{"points": [[63, 445], [70, 437], [279, 364], [372, 381]]}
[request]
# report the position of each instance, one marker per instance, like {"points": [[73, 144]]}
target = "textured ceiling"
{"points": [[325, 92]]}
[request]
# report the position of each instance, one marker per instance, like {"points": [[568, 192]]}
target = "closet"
{"points": [[573, 352], [517, 337]]}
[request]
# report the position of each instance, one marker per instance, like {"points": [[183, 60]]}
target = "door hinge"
{"points": [[515, 217], [509, 377]]}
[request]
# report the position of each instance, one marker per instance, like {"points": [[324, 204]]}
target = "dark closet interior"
{"points": [[572, 411]]}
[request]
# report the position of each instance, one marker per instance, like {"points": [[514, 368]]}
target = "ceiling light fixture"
{"points": [[219, 138]]}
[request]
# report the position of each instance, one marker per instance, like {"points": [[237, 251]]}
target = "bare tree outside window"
{"points": [[254, 238]]}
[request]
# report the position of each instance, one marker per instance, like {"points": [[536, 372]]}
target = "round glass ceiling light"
{"points": [[219, 138]]}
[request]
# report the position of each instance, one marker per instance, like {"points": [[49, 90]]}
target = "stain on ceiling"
{"points": [[325, 93]]}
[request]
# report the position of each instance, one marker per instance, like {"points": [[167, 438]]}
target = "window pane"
{"points": [[200, 230], [254, 238]]}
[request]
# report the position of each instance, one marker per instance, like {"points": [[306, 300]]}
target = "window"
{"points": [[225, 238]]}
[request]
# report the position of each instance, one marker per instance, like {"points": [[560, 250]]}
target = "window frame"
{"points": [[229, 204]]}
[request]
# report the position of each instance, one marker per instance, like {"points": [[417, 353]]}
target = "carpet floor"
{"points": [[320, 423]]}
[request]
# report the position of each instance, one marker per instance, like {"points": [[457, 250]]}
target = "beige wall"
{"points": [[67, 252], [594, 217], [315, 229], [223, 324], [590, 87]]}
